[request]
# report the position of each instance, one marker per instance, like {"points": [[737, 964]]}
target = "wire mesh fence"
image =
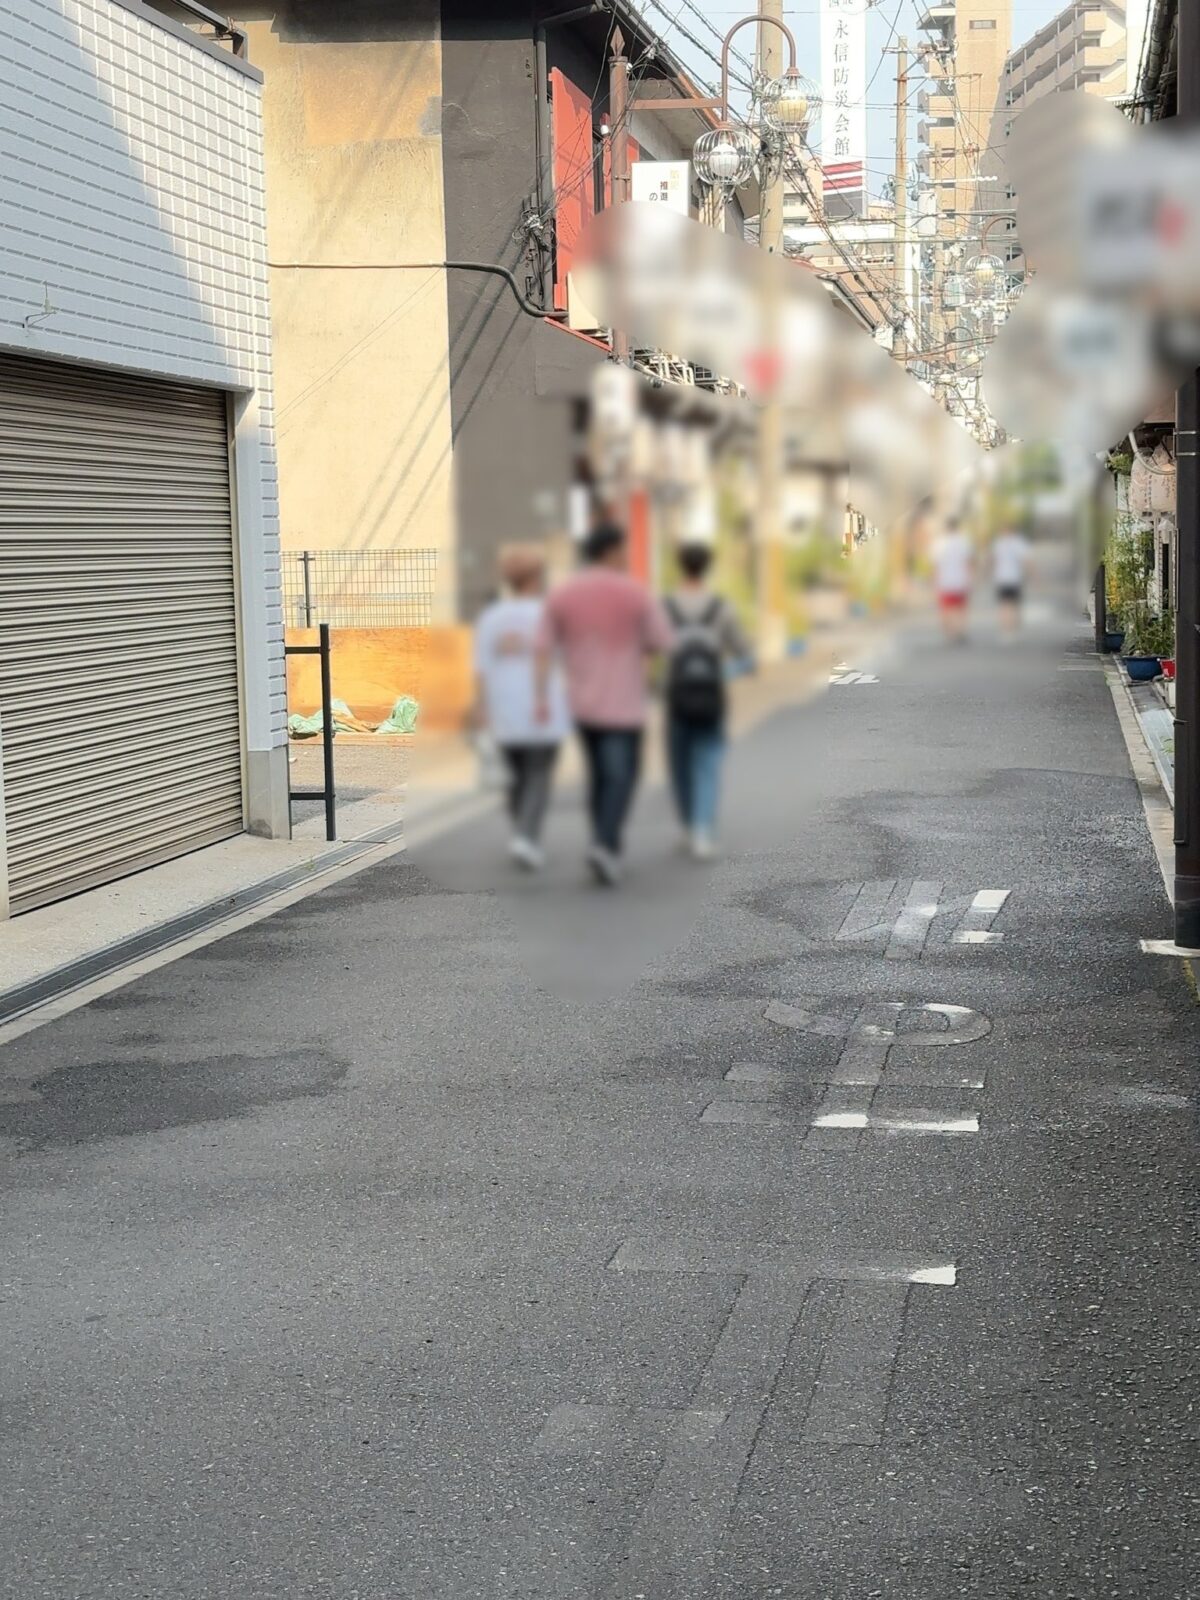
{"points": [[359, 588]]}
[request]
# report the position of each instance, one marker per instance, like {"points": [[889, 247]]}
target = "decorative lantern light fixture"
{"points": [[728, 156], [725, 157], [985, 274], [790, 104]]}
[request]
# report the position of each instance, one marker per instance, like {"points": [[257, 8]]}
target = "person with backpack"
{"points": [[707, 634]]}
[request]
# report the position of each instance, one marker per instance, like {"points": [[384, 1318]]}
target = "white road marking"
{"points": [[778, 1259], [749, 1072], [852, 1386], [968, 1123], [943, 1275], [895, 1123], [977, 919], [865, 1052], [802, 1021], [965, 1025], [757, 1112], [870, 903], [913, 924], [853, 677], [872, 917], [989, 899], [862, 1066]]}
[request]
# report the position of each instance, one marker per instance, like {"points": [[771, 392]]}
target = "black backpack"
{"points": [[696, 677]]}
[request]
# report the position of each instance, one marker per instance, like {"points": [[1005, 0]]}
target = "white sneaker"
{"points": [[526, 854], [606, 869], [704, 846]]}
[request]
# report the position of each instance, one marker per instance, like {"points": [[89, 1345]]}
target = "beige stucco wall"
{"points": [[354, 178]]}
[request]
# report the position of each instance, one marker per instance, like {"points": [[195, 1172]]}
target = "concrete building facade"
{"points": [[356, 228], [422, 408], [1091, 46], [142, 684]]}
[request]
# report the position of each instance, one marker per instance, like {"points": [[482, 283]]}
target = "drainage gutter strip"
{"points": [[26, 997]]}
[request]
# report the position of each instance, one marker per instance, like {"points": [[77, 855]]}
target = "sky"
{"points": [[888, 19]]}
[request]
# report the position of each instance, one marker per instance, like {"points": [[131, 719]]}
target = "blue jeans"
{"points": [[694, 752], [613, 759]]}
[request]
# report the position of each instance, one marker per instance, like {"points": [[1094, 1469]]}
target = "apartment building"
{"points": [[1092, 45], [964, 53]]}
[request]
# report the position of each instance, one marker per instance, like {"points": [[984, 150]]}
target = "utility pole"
{"points": [[903, 287], [619, 177], [772, 631], [1187, 588]]}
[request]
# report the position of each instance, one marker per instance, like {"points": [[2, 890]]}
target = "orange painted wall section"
{"points": [[574, 174], [373, 667]]}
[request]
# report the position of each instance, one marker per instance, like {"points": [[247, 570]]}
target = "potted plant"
{"points": [[1129, 561], [1148, 642], [1114, 636]]}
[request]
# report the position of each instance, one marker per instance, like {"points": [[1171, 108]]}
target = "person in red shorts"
{"points": [[953, 567]]}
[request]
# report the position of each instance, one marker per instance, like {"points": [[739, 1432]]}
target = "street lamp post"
{"points": [[723, 158]]}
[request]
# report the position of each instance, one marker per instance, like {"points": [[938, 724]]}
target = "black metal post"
{"points": [[328, 792], [327, 733], [1187, 590], [306, 566], [1100, 610]]}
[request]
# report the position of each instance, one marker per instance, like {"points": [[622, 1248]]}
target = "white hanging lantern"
{"points": [[790, 104], [725, 157]]}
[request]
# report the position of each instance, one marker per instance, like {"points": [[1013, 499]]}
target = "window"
{"points": [[979, 24]]}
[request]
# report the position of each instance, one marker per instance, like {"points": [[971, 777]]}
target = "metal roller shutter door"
{"points": [[119, 704]]}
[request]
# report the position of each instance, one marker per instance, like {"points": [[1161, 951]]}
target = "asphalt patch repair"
{"points": [[104, 1099]]}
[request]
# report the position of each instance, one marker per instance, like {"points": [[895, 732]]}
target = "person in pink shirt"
{"points": [[602, 625]]}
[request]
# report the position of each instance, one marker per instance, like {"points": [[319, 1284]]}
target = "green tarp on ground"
{"points": [[402, 718]]}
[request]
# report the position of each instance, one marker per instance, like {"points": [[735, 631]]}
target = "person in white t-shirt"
{"points": [[1010, 561], [526, 731], [953, 564]]}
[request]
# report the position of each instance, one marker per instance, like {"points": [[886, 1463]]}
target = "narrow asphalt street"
{"points": [[850, 1253]]}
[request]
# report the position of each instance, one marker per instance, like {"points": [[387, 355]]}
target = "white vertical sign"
{"points": [[666, 183], [844, 100]]}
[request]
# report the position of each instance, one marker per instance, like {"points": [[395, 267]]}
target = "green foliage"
{"points": [[1148, 635], [1128, 564], [1120, 462], [812, 560]]}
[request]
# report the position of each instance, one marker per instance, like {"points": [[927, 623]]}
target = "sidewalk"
{"points": [[1157, 724]]}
